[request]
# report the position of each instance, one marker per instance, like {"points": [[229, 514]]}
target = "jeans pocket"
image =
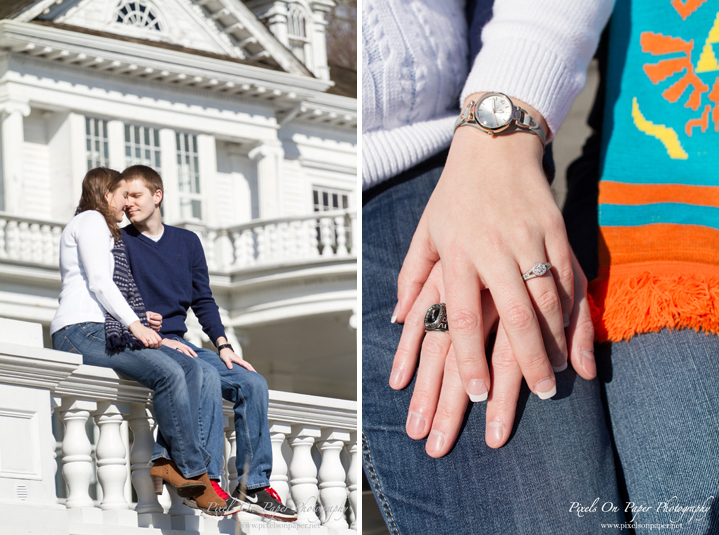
{"points": [[92, 329], [61, 343]]}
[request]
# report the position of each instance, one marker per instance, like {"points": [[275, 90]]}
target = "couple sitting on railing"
{"points": [[109, 277]]}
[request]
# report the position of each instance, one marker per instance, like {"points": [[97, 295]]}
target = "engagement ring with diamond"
{"points": [[537, 270]]}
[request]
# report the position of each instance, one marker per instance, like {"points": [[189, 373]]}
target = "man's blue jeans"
{"points": [[175, 379], [250, 395]]}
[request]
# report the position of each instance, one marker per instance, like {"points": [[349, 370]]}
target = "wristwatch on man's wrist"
{"points": [[496, 114]]}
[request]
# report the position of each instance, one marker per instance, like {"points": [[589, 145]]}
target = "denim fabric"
{"points": [[560, 450], [250, 395], [174, 378], [663, 401]]}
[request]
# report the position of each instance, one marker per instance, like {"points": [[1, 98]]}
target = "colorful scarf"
{"points": [[659, 191], [117, 337]]}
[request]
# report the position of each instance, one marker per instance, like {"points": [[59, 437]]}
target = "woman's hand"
{"points": [[147, 336], [155, 320], [491, 218]]}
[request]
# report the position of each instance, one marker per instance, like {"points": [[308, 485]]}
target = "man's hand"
{"points": [[228, 357], [155, 320], [179, 346]]}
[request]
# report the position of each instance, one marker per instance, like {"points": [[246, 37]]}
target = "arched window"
{"points": [[297, 30], [296, 22], [138, 13]]}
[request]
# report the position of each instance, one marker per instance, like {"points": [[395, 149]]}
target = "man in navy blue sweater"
{"points": [[170, 270]]}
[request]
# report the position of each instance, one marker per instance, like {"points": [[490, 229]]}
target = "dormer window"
{"points": [[297, 30], [138, 13]]}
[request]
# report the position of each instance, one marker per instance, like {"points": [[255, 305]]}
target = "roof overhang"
{"points": [[177, 68]]}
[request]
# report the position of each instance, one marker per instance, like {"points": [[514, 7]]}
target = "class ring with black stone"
{"points": [[436, 318]]}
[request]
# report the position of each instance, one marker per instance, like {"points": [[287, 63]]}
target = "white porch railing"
{"points": [[261, 243], [314, 440]]}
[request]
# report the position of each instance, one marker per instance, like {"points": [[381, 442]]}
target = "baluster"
{"points": [[248, 240], [3, 250], [13, 240], [271, 233], [353, 232], [25, 245], [182, 517], [238, 249], [333, 489], [35, 239], [261, 245], [209, 246], [141, 424], [110, 452], [352, 477], [46, 245], [232, 481], [303, 473], [56, 235], [296, 240], [76, 450], [341, 231], [326, 235], [279, 479], [311, 246]]}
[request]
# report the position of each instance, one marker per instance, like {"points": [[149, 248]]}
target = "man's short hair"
{"points": [[149, 177]]}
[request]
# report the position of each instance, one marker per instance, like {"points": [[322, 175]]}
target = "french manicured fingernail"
{"points": [[396, 378], [394, 313], [545, 388], [566, 320], [477, 390], [588, 362], [435, 442], [416, 424], [559, 363], [495, 434]]}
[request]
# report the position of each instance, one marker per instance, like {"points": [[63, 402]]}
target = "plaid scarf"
{"points": [[117, 337]]}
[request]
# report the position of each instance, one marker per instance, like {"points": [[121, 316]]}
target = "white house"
{"points": [[254, 134], [234, 105]]}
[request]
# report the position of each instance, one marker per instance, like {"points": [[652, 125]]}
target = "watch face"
{"points": [[494, 111]]}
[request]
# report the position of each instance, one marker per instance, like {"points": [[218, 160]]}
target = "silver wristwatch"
{"points": [[496, 114]]}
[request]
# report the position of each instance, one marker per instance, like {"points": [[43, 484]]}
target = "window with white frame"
{"points": [[188, 171], [297, 30], [138, 13], [98, 153], [326, 199], [142, 146]]}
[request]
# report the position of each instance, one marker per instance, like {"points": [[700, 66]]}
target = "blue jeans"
{"points": [[175, 379], [560, 450], [250, 395]]}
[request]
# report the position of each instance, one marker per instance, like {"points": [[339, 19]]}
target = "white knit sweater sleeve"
{"points": [[538, 52], [92, 239]]}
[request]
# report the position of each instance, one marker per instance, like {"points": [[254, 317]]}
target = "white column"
{"points": [[78, 153], [276, 20], [353, 476], [207, 159], [319, 38], [268, 157], [303, 473], [168, 161], [148, 508], [116, 142], [279, 479], [13, 139], [333, 490]]}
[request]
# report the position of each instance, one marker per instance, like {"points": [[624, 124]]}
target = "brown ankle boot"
{"points": [[209, 500], [167, 471]]}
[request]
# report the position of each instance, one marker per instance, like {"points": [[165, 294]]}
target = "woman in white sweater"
{"points": [[98, 297]]}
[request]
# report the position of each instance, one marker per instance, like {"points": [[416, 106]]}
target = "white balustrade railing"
{"points": [[260, 243], [324, 495]]}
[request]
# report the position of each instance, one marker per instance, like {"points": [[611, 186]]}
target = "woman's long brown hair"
{"points": [[95, 185]]}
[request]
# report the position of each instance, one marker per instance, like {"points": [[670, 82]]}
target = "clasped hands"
{"points": [[490, 218]]}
